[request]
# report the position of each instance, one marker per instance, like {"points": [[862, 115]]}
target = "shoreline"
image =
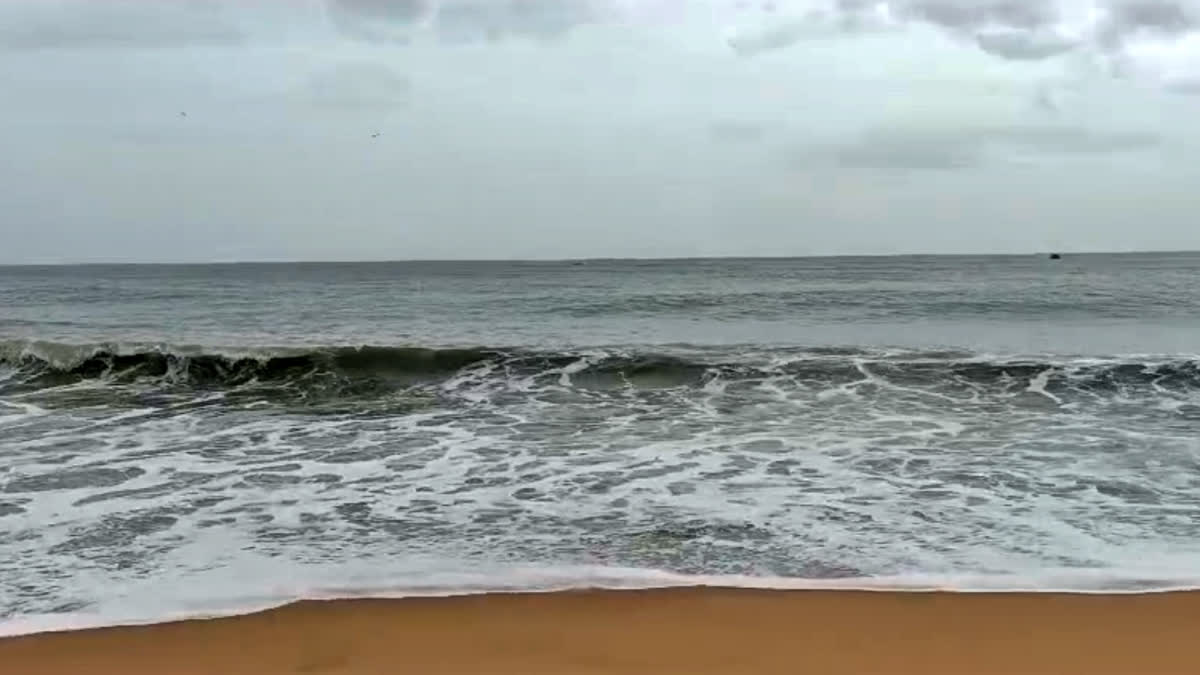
{"points": [[655, 581], [694, 630]]}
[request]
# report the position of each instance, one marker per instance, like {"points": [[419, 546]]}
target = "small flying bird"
{"points": [[375, 135], [182, 114], [1043, 99]]}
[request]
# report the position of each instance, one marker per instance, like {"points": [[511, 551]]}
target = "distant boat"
{"points": [[1055, 256]]}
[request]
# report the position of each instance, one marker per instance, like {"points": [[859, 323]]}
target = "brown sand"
{"points": [[693, 631]]}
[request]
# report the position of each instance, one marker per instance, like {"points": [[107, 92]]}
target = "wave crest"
{"points": [[375, 369]]}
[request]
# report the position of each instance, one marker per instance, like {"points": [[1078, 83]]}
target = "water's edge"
{"points": [[1067, 582]]}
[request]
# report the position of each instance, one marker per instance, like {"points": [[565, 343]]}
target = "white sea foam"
{"points": [[551, 580], [839, 471]]}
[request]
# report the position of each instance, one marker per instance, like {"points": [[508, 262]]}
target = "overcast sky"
{"points": [[198, 130]]}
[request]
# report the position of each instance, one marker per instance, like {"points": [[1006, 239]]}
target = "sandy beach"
{"points": [[696, 631]]}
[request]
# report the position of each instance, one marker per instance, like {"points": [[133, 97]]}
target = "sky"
{"points": [[232, 130]]}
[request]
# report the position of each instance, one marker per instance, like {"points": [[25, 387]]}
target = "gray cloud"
{"points": [[377, 20], [457, 20], [777, 37], [1190, 87], [1165, 16], [898, 152], [1023, 46], [1130, 17], [114, 24], [966, 147], [1027, 29], [1015, 30], [969, 14], [1012, 29], [396, 10], [887, 151], [1019, 30], [1124, 16], [1066, 140]]}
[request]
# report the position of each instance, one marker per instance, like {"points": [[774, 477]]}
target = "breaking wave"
{"points": [[364, 370]]}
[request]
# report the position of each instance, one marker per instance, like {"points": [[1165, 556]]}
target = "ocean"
{"points": [[196, 439]]}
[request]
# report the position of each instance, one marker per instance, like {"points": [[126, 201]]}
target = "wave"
{"points": [[230, 367], [368, 370]]}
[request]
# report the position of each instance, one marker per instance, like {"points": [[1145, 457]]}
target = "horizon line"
{"points": [[551, 260]]}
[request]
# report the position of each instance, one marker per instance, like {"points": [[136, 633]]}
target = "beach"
{"points": [[683, 630]]}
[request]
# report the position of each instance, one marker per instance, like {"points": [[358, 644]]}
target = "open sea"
{"points": [[181, 440]]}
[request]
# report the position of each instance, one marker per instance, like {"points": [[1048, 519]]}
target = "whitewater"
{"points": [[200, 440]]}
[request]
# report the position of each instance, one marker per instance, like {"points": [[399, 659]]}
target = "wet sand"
{"points": [[695, 631]]}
